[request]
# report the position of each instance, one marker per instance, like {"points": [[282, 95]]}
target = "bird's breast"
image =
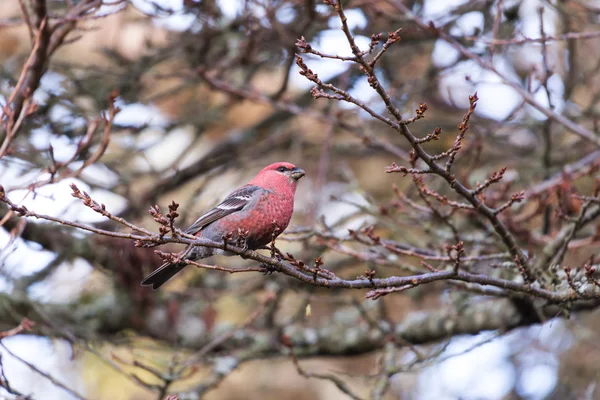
{"points": [[269, 218]]}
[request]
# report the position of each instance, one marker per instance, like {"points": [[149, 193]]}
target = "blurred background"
{"points": [[209, 93]]}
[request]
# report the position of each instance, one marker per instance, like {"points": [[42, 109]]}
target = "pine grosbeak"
{"points": [[254, 214]]}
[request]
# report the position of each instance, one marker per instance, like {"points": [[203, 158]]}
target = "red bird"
{"points": [[258, 209]]}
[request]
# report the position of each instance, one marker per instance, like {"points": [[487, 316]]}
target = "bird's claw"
{"points": [[244, 250], [268, 269]]}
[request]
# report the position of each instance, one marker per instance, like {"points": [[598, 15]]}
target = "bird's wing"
{"points": [[235, 202]]}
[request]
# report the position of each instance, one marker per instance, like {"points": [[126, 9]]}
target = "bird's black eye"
{"points": [[282, 169]]}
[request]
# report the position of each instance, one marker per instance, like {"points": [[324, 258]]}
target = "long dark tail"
{"points": [[165, 272]]}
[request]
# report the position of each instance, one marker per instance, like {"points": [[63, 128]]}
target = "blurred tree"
{"points": [[483, 114]]}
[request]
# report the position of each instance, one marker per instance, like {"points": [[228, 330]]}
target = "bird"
{"points": [[255, 214]]}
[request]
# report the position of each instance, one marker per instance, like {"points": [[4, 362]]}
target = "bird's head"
{"points": [[281, 174]]}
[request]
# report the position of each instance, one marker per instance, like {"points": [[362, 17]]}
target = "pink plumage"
{"points": [[260, 210]]}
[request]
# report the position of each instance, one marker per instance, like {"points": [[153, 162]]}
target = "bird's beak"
{"points": [[297, 173]]}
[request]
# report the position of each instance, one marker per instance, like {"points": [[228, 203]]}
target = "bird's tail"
{"points": [[165, 272]]}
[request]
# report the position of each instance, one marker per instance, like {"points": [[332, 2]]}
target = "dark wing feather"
{"points": [[235, 202]]}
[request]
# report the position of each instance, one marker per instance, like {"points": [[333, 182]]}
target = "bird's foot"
{"points": [[267, 269], [244, 249]]}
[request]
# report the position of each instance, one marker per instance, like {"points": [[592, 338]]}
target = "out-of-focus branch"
{"points": [[420, 327], [571, 171], [573, 127], [417, 328], [60, 170], [48, 38], [371, 140], [21, 93], [338, 382], [47, 376], [543, 39], [36, 64], [25, 325]]}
